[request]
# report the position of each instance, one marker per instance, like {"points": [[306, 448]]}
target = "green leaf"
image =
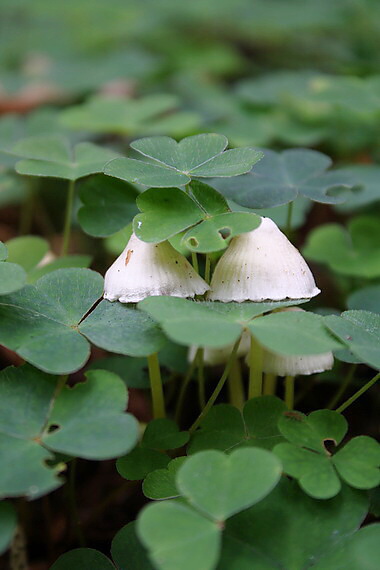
{"points": [[174, 164], [165, 212], [27, 251], [123, 330], [26, 398], [163, 433], [355, 251], [89, 419], [3, 251], [280, 177], [127, 551], [12, 277], [205, 324], [140, 462], [40, 321], [366, 178], [81, 558], [214, 234], [366, 299], [85, 421], [307, 459], [357, 552], [222, 491], [161, 484], [63, 262], [8, 524], [359, 331], [358, 462], [176, 536], [225, 428], [280, 332], [133, 371], [124, 116], [52, 156], [291, 530], [108, 205]]}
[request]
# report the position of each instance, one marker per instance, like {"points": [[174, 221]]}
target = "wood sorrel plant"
{"points": [[237, 477]]}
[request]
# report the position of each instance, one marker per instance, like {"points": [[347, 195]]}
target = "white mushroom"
{"points": [[148, 269], [262, 265]]}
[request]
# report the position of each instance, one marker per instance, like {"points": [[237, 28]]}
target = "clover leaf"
{"points": [[366, 299], [32, 254], [280, 177], [288, 529], [168, 163], [82, 558], [53, 156], [161, 483], [120, 116], [127, 550], [39, 418], [160, 434], [226, 428], [359, 331], [8, 524], [12, 275], [168, 211], [108, 205], [317, 471], [356, 250], [44, 323], [210, 323]]}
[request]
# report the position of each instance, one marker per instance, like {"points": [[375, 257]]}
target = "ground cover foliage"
{"points": [[131, 438]]}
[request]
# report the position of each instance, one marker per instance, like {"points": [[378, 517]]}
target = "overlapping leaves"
{"points": [[44, 323], [53, 156], [12, 275], [167, 163], [168, 211], [39, 417], [280, 177], [307, 459]]}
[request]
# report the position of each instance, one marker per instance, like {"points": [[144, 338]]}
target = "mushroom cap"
{"points": [[262, 265], [305, 365], [214, 356], [148, 269]]}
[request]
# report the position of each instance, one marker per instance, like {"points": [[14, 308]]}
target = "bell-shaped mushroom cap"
{"points": [[214, 356], [262, 265], [147, 269]]}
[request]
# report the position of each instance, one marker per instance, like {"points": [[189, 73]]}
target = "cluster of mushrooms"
{"points": [[261, 265]]}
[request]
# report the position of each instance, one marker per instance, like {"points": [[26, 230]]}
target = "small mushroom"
{"points": [[148, 269], [262, 265]]}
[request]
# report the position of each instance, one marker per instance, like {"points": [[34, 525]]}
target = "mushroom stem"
{"points": [[156, 386], [255, 369], [235, 385], [218, 388], [289, 392], [201, 379], [270, 381], [207, 269], [194, 261], [68, 214]]}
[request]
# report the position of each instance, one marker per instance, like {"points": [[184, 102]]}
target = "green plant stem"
{"points": [[235, 385], [218, 388], [255, 369], [156, 386], [289, 219], [343, 387], [68, 216], [27, 209], [185, 383], [194, 261], [201, 379], [270, 382], [74, 514], [289, 392], [208, 269], [358, 394]]}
